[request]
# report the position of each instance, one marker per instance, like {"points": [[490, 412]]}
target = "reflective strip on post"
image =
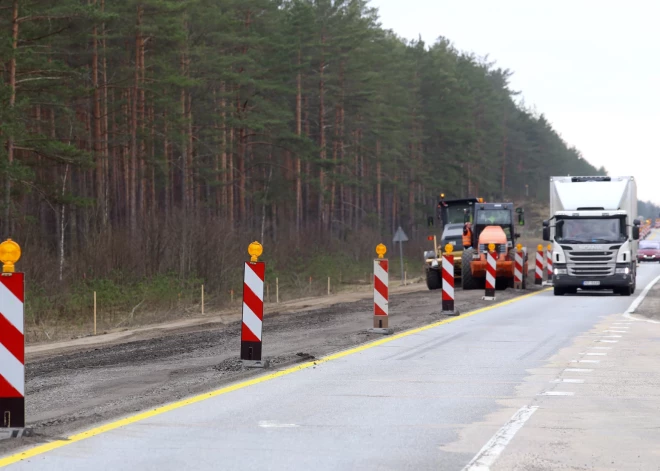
{"points": [[12, 351], [381, 293], [448, 283], [549, 269], [253, 310], [491, 273], [518, 270], [538, 277]]}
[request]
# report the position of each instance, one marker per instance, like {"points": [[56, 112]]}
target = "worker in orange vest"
{"points": [[467, 235]]}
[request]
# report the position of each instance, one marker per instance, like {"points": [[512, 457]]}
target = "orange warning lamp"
{"points": [[255, 249], [539, 247], [491, 247], [449, 248], [381, 250], [549, 246], [10, 253], [519, 247]]}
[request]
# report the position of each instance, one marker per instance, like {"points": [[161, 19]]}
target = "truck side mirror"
{"points": [[429, 221], [635, 232], [546, 230], [516, 235], [521, 219], [637, 222]]}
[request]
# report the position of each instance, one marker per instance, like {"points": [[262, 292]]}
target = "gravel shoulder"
{"points": [[74, 385]]}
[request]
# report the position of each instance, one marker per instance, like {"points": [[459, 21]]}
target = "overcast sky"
{"points": [[592, 67]]}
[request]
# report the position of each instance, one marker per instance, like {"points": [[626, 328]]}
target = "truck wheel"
{"points": [[433, 279], [559, 291], [467, 281]]}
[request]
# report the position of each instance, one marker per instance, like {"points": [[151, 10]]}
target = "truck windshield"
{"points": [[590, 230], [456, 214]]}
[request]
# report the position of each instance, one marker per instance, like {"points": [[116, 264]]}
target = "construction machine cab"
{"points": [[456, 211], [495, 215]]}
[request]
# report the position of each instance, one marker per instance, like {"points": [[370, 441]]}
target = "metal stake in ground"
{"points": [[448, 282], [253, 308], [12, 344], [538, 275], [381, 293], [400, 237], [548, 259], [518, 268], [491, 272]]}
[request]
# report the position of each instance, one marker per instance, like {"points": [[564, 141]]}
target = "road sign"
{"points": [[400, 236]]}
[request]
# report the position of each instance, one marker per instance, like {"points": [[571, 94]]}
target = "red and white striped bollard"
{"points": [[538, 275], [548, 264], [448, 307], [491, 273], [381, 293], [518, 268], [253, 308], [12, 342]]}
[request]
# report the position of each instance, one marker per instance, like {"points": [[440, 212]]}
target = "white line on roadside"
{"points": [[606, 341], [585, 361], [568, 380], [617, 331], [557, 393], [612, 336], [579, 370], [596, 354], [638, 300], [496, 445], [602, 348]]}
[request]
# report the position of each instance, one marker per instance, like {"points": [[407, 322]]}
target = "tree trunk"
{"points": [[299, 205], [8, 224], [134, 124], [322, 156], [379, 208]]}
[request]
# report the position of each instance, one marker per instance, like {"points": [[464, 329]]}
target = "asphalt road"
{"points": [[430, 399]]}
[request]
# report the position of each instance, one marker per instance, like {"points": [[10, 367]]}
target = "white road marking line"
{"points": [[557, 393], [585, 361], [568, 380], [602, 348], [606, 341], [638, 300], [601, 354], [274, 424], [496, 445], [579, 370], [612, 336], [617, 331]]}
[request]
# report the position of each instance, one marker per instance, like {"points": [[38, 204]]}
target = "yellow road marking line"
{"points": [[38, 450]]}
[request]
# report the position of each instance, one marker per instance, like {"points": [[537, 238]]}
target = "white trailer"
{"points": [[594, 231]]}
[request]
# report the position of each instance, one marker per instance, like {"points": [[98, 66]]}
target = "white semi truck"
{"points": [[594, 231]]}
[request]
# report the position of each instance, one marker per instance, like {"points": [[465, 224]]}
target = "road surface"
{"points": [[540, 382]]}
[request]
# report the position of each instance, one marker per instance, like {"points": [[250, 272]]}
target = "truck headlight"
{"points": [[622, 271], [561, 271]]}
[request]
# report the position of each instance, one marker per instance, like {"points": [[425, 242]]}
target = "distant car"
{"points": [[649, 251]]}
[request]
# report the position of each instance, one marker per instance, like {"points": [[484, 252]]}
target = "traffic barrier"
{"points": [[538, 275], [518, 268], [548, 264], [12, 341], [448, 307], [253, 308], [491, 273], [381, 293]]}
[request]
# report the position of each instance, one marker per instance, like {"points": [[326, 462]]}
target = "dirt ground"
{"points": [[76, 384]]}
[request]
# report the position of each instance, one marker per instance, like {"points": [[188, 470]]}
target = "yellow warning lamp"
{"points": [[442, 195], [381, 250], [539, 247], [518, 247], [255, 249], [449, 248], [491, 247], [10, 253], [549, 246], [480, 200]]}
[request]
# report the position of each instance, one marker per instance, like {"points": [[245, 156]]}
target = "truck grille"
{"points": [[591, 264]]}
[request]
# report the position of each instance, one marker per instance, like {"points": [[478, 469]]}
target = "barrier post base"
{"points": [[382, 331], [453, 312], [547, 283], [517, 285], [255, 363], [7, 433]]}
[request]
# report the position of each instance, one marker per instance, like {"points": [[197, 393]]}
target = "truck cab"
{"points": [[594, 234]]}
